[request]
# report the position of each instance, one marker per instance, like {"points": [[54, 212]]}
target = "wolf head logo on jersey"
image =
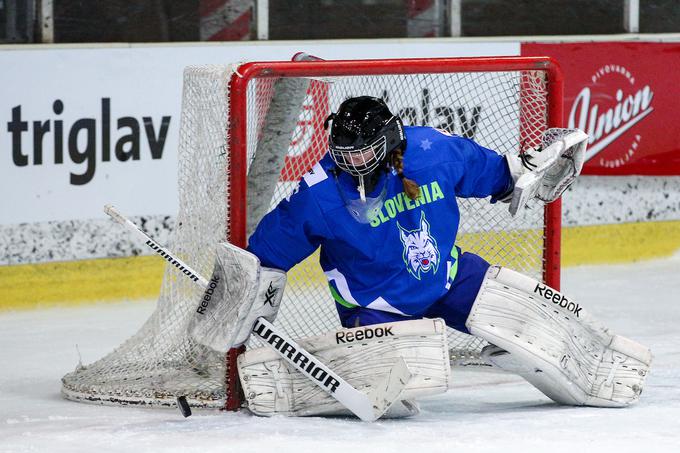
{"points": [[420, 249]]}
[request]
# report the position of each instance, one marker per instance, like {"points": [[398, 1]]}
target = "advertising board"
{"points": [[82, 127], [624, 95]]}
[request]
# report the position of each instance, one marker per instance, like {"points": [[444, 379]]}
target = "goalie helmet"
{"points": [[363, 133]]}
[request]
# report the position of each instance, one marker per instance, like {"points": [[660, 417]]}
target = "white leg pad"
{"points": [[552, 342], [363, 356]]}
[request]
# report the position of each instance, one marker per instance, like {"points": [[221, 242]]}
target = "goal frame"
{"points": [[237, 138], [237, 130]]}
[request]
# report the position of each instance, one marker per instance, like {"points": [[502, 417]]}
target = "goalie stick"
{"points": [[368, 407]]}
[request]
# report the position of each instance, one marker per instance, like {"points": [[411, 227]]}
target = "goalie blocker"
{"points": [[239, 292], [554, 343]]}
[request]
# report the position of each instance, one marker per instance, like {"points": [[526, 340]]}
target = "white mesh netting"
{"points": [[504, 111]]}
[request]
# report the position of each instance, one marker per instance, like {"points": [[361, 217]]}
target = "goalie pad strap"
{"points": [[551, 341], [268, 295], [362, 356]]}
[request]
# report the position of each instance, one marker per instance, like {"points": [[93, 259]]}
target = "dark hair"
{"points": [[410, 186]]}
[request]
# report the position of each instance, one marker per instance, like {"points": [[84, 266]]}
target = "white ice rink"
{"points": [[482, 412]]}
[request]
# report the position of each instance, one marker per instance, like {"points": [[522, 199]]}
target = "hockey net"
{"points": [[256, 129]]}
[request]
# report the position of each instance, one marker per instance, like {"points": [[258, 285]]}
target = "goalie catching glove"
{"points": [[240, 291], [547, 171]]}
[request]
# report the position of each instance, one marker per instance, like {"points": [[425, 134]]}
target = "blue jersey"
{"points": [[404, 260]]}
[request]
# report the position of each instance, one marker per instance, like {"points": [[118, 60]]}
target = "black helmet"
{"points": [[364, 131]]}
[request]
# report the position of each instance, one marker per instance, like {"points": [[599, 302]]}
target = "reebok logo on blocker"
{"points": [[207, 295]]}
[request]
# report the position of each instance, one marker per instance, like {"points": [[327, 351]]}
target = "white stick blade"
{"points": [[370, 407], [387, 393]]}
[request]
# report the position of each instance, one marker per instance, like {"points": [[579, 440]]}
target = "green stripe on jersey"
{"points": [[339, 299]]}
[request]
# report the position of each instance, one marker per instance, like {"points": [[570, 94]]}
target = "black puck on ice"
{"points": [[183, 406]]}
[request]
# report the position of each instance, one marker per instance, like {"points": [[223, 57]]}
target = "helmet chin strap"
{"points": [[368, 182], [362, 189]]}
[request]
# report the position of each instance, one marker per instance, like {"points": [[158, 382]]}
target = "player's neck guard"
{"points": [[364, 208]]}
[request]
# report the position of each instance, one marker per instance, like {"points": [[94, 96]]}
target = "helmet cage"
{"points": [[364, 160]]}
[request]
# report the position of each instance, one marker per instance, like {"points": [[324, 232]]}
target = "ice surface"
{"points": [[483, 412]]}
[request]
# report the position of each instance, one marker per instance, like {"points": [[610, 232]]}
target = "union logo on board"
{"points": [[608, 107]]}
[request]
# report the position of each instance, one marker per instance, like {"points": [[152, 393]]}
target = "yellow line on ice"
{"points": [[75, 282], [619, 243], [113, 279]]}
